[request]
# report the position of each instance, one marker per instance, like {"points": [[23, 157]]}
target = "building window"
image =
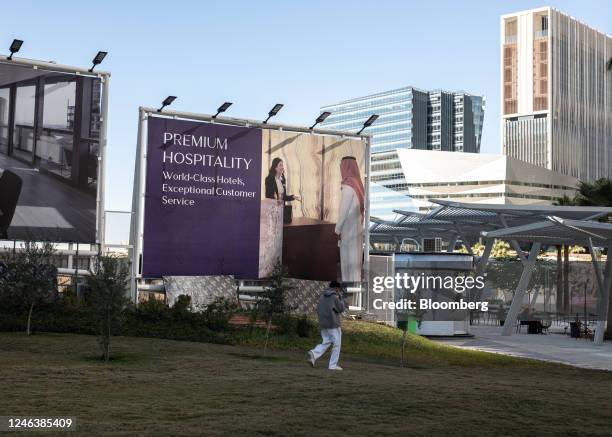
{"points": [[510, 72], [540, 62]]}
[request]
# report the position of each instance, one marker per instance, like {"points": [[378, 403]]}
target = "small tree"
{"points": [[28, 278], [273, 297], [106, 295], [500, 250]]}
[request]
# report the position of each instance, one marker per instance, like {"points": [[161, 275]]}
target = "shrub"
{"points": [[293, 325], [151, 319], [285, 323], [272, 301], [305, 327], [106, 296], [28, 278], [218, 313], [182, 304], [152, 310]]}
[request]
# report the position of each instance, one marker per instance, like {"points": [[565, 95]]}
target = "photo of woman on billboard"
{"points": [[349, 226], [276, 184], [273, 214]]}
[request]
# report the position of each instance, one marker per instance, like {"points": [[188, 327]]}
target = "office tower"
{"points": [[410, 118], [556, 92]]}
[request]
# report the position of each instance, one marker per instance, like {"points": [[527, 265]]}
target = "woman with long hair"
{"points": [[276, 184], [349, 226], [273, 215]]}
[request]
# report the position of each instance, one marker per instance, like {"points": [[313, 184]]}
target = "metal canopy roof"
{"points": [[555, 230], [469, 221], [485, 213]]}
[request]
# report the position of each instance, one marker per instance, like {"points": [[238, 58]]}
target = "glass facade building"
{"points": [[409, 118]]}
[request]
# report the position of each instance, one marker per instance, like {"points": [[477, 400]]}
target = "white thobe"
{"points": [[350, 229]]}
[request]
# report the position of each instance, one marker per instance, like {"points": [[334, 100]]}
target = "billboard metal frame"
{"points": [[104, 77], [138, 194]]}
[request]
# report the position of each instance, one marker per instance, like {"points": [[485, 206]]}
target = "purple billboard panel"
{"points": [[202, 199]]}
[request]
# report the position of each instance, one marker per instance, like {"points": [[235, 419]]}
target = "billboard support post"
{"points": [[101, 218], [137, 206], [366, 246], [76, 270]]}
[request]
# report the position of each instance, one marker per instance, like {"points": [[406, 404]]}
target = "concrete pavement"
{"points": [[555, 347]]}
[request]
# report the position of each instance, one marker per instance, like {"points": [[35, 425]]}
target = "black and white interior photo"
{"points": [[49, 142]]}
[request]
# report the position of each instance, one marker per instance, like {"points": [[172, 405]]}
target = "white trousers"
{"points": [[330, 337]]}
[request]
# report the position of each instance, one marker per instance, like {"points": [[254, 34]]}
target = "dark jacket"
{"points": [[329, 309], [272, 189]]}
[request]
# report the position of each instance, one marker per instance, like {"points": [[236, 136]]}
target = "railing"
{"points": [[541, 33], [58, 148]]}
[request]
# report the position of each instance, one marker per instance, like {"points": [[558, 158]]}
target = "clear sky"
{"points": [[257, 53]]}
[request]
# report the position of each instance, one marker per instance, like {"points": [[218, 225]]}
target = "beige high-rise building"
{"points": [[556, 93]]}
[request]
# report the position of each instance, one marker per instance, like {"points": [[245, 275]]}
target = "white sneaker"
{"points": [[335, 368], [311, 358]]}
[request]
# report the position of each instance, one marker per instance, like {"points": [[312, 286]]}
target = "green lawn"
{"points": [[163, 387]]}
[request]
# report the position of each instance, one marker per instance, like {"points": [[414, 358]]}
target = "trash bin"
{"points": [[575, 329]]}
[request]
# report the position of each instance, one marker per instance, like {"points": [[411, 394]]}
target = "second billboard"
{"points": [[229, 200]]}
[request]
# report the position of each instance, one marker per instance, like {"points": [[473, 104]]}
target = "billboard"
{"points": [[50, 136], [234, 200]]}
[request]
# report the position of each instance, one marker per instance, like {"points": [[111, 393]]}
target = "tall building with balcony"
{"points": [[409, 118], [556, 93]]}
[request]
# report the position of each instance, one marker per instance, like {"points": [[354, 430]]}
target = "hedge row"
{"points": [[135, 322]]}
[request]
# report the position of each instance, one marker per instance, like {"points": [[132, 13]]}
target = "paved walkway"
{"points": [[555, 347]]}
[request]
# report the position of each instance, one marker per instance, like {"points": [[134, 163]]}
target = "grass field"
{"points": [[162, 387]]}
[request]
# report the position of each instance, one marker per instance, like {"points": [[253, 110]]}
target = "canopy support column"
{"points": [[514, 243], [451, 244], [481, 265], [466, 243], [484, 259], [519, 294], [603, 284]]}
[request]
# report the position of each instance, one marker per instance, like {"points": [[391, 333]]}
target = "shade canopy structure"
{"points": [[515, 214], [521, 225], [557, 231], [466, 221], [408, 227]]}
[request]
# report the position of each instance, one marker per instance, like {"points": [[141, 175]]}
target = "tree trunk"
{"points": [[403, 361], [269, 324], [107, 339], [609, 329], [609, 324], [566, 290], [559, 296], [28, 332]]}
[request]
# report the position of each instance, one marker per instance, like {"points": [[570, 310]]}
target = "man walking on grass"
{"points": [[329, 310]]}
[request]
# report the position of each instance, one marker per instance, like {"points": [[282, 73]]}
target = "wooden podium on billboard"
{"points": [[305, 239]]}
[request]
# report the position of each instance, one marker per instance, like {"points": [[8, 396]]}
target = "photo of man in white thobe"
{"points": [[349, 226]]}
